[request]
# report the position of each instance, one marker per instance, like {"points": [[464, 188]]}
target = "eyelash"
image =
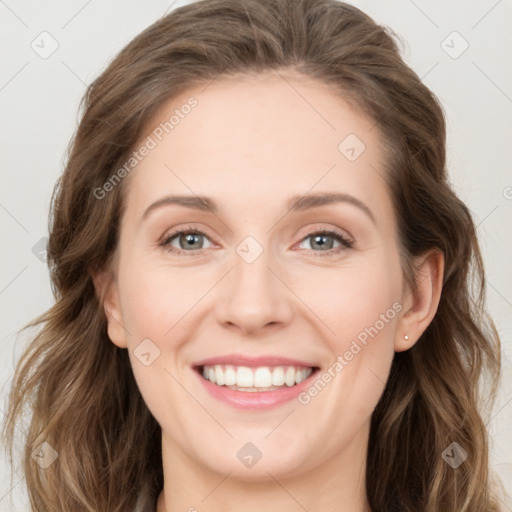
{"points": [[333, 233]]}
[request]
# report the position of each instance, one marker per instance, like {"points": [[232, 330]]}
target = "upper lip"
{"points": [[239, 360]]}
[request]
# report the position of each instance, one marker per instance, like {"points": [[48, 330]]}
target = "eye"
{"points": [[188, 240], [321, 239]]}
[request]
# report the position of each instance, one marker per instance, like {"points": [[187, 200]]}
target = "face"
{"points": [[262, 283]]}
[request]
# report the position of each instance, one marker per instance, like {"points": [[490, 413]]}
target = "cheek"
{"points": [[353, 302], [155, 302], [156, 298], [360, 308]]}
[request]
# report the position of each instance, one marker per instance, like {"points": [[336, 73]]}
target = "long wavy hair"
{"points": [[78, 387]]}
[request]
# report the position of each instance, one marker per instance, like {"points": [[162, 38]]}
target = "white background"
{"points": [[39, 104]]}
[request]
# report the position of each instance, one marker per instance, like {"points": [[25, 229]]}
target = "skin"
{"points": [[250, 144]]}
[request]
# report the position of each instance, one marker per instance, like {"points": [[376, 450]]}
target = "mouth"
{"points": [[248, 379], [254, 383]]}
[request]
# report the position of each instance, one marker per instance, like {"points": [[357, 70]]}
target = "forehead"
{"points": [[258, 136]]}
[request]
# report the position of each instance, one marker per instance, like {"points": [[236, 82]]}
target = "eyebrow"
{"points": [[295, 204]]}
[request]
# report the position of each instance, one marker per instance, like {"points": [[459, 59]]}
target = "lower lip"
{"points": [[257, 399]]}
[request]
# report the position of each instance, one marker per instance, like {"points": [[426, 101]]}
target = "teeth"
{"points": [[229, 376], [255, 379], [262, 378], [244, 377], [289, 378], [278, 376], [219, 376], [300, 376]]}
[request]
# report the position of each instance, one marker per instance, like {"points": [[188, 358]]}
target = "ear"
{"points": [[420, 305], [108, 295]]}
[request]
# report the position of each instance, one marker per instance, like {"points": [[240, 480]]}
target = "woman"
{"points": [[321, 347]]}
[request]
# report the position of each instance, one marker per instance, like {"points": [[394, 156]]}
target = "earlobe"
{"points": [[108, 295], [423, 301]]}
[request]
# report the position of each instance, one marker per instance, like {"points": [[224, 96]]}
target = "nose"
{"points": [[254, 297]]}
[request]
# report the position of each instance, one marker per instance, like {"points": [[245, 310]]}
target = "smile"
{"points": [[248, 379], [255, 387]]}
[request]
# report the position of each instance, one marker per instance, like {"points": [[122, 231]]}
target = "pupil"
{"points": [[190, 238], [322, 238]]}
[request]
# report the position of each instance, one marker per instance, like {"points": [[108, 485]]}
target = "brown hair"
{"points": [[79, 386]]}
